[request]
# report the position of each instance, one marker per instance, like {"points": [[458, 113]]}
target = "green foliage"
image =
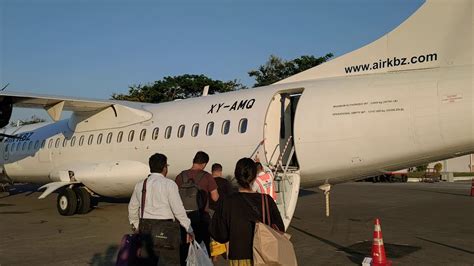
{"points": [[177, 87], [421, 168], [276, 69], [32, 120]]}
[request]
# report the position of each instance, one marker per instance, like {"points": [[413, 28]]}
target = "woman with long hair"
{"points": [[235, 217]]}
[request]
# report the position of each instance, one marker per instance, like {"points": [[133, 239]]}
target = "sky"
{"points": [[94, 48]]}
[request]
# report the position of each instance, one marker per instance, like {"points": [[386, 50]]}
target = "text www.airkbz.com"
{"points": [[392, 62]]}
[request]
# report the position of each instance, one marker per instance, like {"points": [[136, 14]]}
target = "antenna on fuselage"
{"points": [[205, 91], [5, 87]]}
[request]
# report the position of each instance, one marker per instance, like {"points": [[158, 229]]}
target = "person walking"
{"points": [[235, 217], [224, 187], [199, 216], [154, 206]]}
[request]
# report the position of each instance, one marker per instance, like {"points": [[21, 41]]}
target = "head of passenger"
{"points": [[216, 170], [245, 172], [158, 164], [200, 160], [259, 167]]}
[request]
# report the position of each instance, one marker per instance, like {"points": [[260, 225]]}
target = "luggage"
{"points": [[192, 196], [129, 250]]}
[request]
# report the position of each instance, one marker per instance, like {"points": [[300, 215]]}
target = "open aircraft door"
{"points": [[280, 152]]}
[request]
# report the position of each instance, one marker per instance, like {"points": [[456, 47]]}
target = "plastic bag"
{"points": [[197, 255]]}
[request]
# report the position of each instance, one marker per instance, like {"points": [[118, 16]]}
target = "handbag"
{"points": [[270, 245], [163, 234]]}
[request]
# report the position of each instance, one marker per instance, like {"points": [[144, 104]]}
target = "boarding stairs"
{"points": [[286, 180]]}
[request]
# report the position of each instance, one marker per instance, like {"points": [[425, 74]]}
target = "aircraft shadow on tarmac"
{"points": [[358, 251], [441, 192]]}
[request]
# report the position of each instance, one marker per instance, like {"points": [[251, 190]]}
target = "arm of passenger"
{"points": [[212, 187], [133, 209], [215, 195], [177, 208]]}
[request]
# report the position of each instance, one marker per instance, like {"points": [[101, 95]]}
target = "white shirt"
{"points": [[162, 202]]}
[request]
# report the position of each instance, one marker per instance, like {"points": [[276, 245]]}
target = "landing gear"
{"points": [[74, 200], [67, 202], [83, 200]]}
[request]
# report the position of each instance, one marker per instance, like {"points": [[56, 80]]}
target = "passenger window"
{"points": [[50, 143], [91, 139], [243, 125], [109, 137], [99, 138], [130, 135], [210, 128], [43, 143], [181, 131], [6, 147], [81, 140], [142, 135], [58, 141], [225, 127], [18, 146], [195, 130], [119, 137], [154, 135], [30, 145], [24, 145], [37, 144], [168, 132], [65, 142], [73, 141], [13, 147]]}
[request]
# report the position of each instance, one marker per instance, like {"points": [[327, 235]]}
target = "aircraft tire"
{"points": [[66, 202], [83, 200]]}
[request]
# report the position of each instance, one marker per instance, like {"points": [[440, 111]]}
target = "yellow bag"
{"points": [[217, 248]]}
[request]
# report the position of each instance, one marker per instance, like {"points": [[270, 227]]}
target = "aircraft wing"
{"points": [[29, 100], [54, 105]]}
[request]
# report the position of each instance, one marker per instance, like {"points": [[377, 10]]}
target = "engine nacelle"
{"points": [[112, 179], [6, 107]]}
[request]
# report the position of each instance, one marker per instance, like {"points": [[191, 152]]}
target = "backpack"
{"points": [[192, 196]]}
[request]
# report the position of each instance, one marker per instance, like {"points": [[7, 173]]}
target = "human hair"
{"points": [[216, 167], [259, 166], [201, 157], [157, 163], [245, 172]]}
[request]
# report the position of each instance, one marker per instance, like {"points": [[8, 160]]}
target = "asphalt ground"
{"points": [[422, 224]]}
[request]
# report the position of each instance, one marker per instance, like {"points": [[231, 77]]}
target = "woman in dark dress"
{"points": [[235, 217]]}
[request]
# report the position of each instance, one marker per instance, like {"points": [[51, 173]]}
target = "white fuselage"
{"points": [[344, 128]]}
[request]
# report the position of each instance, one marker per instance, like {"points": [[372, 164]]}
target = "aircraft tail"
{"points": [[438, 34]]}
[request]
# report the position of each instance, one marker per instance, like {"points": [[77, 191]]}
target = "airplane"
{"points": [[400, 101]]}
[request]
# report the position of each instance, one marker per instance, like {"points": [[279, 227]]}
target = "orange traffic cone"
{"points": [[472, 188], [378, 250]]}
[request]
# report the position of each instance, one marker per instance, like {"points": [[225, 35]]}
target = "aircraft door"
{"points": [[280, 151]]}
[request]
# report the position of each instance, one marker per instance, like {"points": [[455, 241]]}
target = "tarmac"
{"points": [[422, 224]]}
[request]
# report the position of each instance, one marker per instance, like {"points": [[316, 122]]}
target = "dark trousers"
{"points": [[200, 223], [159, 254]]}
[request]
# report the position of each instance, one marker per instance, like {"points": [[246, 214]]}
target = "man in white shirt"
{"points": [[162, 206]]}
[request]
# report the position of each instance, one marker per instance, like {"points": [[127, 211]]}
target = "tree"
{"points": [[276, 69], [32, 120], [177, 87]]}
